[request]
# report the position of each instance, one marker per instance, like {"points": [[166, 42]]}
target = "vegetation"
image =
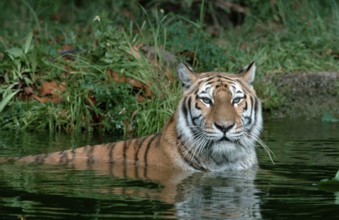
{"points": [[110, 66]]}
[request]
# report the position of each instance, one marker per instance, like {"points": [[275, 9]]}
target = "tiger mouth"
{"points": [[224, 138]]}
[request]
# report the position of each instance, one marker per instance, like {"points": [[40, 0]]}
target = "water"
{"points": [[306, 152]]}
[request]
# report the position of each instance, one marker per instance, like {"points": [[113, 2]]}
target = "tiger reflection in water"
{"points": [[199, 195], [228, 195]]}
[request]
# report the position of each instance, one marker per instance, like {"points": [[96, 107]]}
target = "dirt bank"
{"points": [[307, 94]]}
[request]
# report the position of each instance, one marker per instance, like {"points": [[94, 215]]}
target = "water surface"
{"points": [[306, 151]]}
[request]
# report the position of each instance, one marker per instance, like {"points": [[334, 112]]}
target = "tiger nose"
{"points": [[224, 127]]}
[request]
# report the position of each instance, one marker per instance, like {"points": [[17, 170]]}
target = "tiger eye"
{"points": [[207, 101], [236, 100]]}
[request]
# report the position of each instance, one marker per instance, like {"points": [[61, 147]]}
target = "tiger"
{"points": [[215, 127]]}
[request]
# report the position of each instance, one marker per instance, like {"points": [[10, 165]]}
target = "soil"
{"points": [[308, 94]]}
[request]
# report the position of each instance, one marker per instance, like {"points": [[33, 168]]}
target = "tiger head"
{"points": [[219, 119]]}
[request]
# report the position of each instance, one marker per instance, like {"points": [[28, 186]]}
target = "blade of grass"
{"points": [[7, 98], [28, 42], [35, 17]]}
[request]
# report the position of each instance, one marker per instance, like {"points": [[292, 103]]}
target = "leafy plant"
{"points": [[17, 70], [7, 95]]}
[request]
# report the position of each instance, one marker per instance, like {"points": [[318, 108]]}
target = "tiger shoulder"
{"points": [[215, 127]]}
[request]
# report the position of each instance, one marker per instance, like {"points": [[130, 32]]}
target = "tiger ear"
{"points": [[186, 75], [248, 73]]}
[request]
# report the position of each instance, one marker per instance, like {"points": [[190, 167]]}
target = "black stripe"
{"points": [[111, 159], [252, 108], [158, 142], [198, 85], [39, 159], [189, 100], [184, 109], [193, 122], [191, 163], [63, 157], [111, 150], [196, 90], [179, 137], [146, 153], [139, 143], [211, 80], [147, 149], [245, 107], [251, 104], [73, 156], [196, 159], [90, 156], [10, 160], [249, 120], [256, 107], [197, 96], [181, 148], [217, 78], [208, 83], [125, 147], [124, 154], [244, 86], [196, 117], [196, 106], [189, 114], [71, 161]]}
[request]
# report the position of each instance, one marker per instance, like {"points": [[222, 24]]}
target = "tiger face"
{"points": [[219, 119]]}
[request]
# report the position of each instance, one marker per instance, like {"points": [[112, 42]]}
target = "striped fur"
{"points": [[215, 127]]}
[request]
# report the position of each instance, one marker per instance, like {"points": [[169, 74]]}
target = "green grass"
{"points": [[285, 37]]}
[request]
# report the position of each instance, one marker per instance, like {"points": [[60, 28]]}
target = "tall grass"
{"points": [[300, 38], [287, 36]]}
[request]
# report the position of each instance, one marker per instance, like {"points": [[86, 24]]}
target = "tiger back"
{"points": [[215, 127]]}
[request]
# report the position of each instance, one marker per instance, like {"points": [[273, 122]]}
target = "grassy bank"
{"points": [[111, 67]]}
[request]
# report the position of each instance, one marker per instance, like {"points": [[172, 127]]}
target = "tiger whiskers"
{"points": [[269, 152], [199, 144], [194, 145], [247, 146]]}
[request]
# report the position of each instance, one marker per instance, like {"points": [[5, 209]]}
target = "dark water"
{"points": [[306, 152]]}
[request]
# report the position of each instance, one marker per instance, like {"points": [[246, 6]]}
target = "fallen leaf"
{"points": [[169, 75], [51, 88], [143, 89], [28, 90], [116, 77], [50, 92], [55, 100], [139, 98], [154, 53], [90, 99], [135, 52], [136, 83]]}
